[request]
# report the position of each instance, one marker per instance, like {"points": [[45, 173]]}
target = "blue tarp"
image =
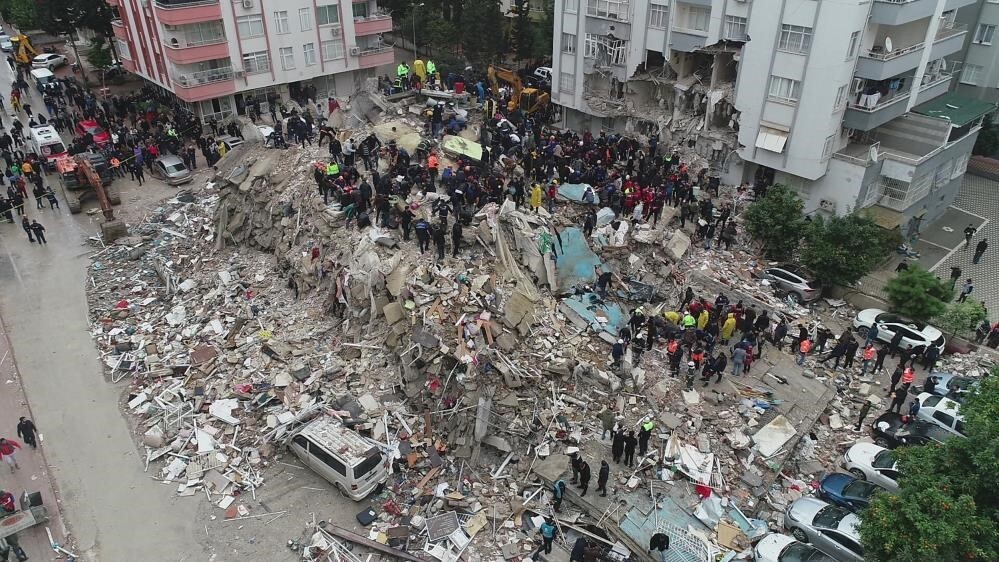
{"points": [[588, 305], [573, 191], [575, 259]]}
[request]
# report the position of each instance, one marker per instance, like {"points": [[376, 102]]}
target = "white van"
{"points": [[352, 463], [45, 141], [41, 77]]}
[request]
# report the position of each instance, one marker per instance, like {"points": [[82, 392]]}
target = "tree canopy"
{"points": [[961, 318], [776, 221], [841, 250], [947, 504], [918, 294]]}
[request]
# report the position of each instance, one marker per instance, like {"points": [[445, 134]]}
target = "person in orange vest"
{"points": [[908, 376], [868, 358], [432, 164], [803, 349]]}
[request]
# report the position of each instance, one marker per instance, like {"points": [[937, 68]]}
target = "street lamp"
{"points": [[415, 6]]}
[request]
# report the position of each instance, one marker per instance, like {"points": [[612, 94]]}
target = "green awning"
{"points": [[960, 110]]}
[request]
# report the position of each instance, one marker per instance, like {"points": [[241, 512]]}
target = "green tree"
{"points": [[480, 39], [22, 13], [948, 498], [962, 317], [918, 294], [523, 29], [775, 220], [841, 250], [988, 139], [544, 32]]}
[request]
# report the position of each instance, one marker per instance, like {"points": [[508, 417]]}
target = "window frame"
{"points": [[693, 13], [305, 19], [256, 57], [308, 48], [851, 49], [568, 43], [795, 39], [328, 10], [572, 6], [967, 78], [571, 87], [841, 97], [793, 89], [283, 54], [367, 10], [658, 16], [249, 21], [281, 23], [332, 42], [987, 29], [603, 9], [737, 21]]}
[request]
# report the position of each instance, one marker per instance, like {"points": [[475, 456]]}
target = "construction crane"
{"points": [[529, 100], [24, 51]]}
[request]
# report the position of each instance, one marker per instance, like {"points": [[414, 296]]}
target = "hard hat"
{"points": [[690, 364]]}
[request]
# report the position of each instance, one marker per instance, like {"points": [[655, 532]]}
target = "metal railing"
{"points": [[945, 31], [864, 160], [177, 4], [895, 1], [372, 17], [193, 79], [374, 50], [176, 43], [883, 102]]}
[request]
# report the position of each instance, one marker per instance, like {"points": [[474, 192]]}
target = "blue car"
{"points": [[846, 491]]}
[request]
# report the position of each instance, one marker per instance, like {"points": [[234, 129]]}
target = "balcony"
{"points": [[869, 112], [118, 28], [372, 25], [858, 153], [205, 85], [878, 64], [949, 40], [897, 12], [376, 56], [180, 12], [195, 44], [128, 64]]}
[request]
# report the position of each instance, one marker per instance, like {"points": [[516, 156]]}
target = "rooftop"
{"points": [[959, 110]]}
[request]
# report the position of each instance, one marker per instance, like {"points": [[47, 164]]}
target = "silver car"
{"points": [[172, 170], [790, 279], [827, 527], [950, 386]]}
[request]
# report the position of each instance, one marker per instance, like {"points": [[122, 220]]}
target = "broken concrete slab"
{"points": [[772, 437]]}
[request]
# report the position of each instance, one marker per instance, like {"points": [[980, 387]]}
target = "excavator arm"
{"points": [[24, 51], [497, 75]]}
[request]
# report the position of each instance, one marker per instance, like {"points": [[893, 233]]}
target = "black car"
{"points": [[890, 432]]}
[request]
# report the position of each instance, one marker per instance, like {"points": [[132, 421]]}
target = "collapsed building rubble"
{"points": [[240, 310]]}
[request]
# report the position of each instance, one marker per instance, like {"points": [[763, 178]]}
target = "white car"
{"points": [[873, 463], [829, 528], [50, 61], [5, 44], [543, 73], [941, 411], [914, 334], [776, 547]]}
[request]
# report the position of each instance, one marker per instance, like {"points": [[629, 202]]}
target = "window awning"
{"points": [[771, 139]]}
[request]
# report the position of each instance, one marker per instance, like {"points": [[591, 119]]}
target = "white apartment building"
{"points": [[980, 56], [220, 56], [847, 102]]}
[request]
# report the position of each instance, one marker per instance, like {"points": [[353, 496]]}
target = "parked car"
{"points": [[5, 44], [867, 461], [50, 61], [101, 137], [354, 464], [846, 491], [776, 547], [798, 284], [543, 73], [829, 528], [172, 170], [230, 142], [950, 385], [890, 432], [943, 412], [914, 333]]}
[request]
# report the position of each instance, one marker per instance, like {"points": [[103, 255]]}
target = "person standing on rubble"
{"points": [[617, 354], [868, 358], [575, 461], [547, 529], [779, 333], [584, 476], [850, 353], [898, 401], [804, 348], [728, 328], [456, 238], [439, 240], [617, 445], [895, 377], [558, 494], [422, 228], [578, 553], [863, 414], [602, 477], [880, 362], [644, 434], [536, 196], [629, 449], [837, 353], [607, 422]]}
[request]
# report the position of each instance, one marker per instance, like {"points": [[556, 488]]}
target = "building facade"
{"points": [[980, 56], [834, 99], [221, 56]]}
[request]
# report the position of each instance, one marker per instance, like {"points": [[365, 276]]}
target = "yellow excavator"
{"points": [[24, 51], [529, 100]]}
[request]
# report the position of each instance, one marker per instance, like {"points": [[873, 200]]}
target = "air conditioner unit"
{"points": [[239, 73], [354, 51], [858, 85], [248, 4]]}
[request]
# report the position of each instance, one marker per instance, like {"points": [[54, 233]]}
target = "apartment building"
{"points": [[221, 56], [980, 56], [846, 102]]}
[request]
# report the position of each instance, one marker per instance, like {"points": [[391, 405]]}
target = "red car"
{"points": [[101, 137]]}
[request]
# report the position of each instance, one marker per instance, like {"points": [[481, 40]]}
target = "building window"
{"points": [[735, 28], [566, 82], [611, 9], [203, 33], [568, 43], [327, 15], [827, 150], [281, 22], [984, 34], [360, 10], [332, 50], [795, 38], [255, 63], [287, 58], [219, 108], [970, 74], [658, 16], [840, 97], [697, 19], [960, 166], [121, 47], [571, 6], [590, 46], [852, 49], [309, 50], [784, 89], [305, 18], [610, 51], [250, 26]]}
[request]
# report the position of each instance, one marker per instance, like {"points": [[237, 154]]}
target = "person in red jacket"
{"points": [[7, 448]]}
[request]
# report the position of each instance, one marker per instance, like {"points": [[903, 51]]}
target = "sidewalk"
{"points": [[34, 474]]}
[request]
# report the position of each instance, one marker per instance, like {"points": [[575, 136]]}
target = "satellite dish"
{"points": [[888, 44], [874, 153]]}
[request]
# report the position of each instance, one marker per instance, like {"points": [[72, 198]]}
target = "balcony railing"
{"points": [[192, 79], [863, 156], [177, 43], [895, 1], [900, 95], [374, 50], [949, 30], [373, 17], [171, 4], [878, 52]]}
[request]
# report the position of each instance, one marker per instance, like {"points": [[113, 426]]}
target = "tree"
{"points": [[962, 317], [480, 40], [22, 13], [775, 220], [918, 294], [948, 497], [988, 139], [523, 29], [841, 250], [99, 54]]}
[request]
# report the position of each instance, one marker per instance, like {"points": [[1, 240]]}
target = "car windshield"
{"points": [[829, 516], [55, 148], [367, 465], [94, 129], [176, 167], [883, 459], [801, 552], [889, 318], [931, 430], [860, 489], [960, 383]]}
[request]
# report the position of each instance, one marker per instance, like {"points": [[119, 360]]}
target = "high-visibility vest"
{"points": [[431, 68], [401, 70]]}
